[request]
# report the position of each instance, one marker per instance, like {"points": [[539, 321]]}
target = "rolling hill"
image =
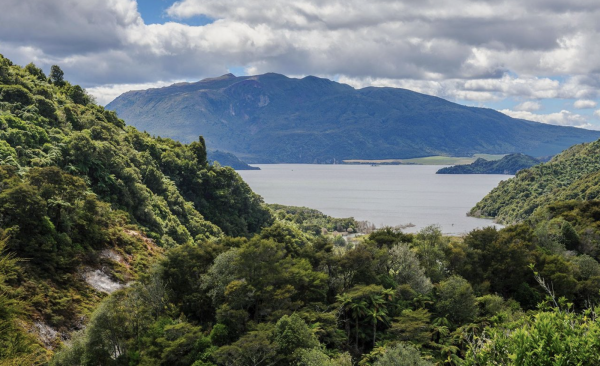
{"points": [[271, 118]]}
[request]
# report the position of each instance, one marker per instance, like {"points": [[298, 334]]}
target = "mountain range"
{"points": [[272, 118]]}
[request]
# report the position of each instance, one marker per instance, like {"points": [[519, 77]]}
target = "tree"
{"points": [[292, 334], [57, 75], [378, 311], [362, 301], [219, 275], [456, 300], [430, 245], [544, 339], [16, 346], [78, 95], [404, 267], [182, 271], [401, 355], [569, 236], [413, 326], [359, 310], [389, 237], [316, 357], [253, 349]]}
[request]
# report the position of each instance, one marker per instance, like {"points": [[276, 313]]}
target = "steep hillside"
{"points": [[509, 164], [86, 203], [272, 119], [571, 175]]}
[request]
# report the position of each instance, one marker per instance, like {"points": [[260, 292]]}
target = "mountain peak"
{"points": [[312, 120], [222, 77]]}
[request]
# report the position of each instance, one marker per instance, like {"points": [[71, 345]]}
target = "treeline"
{"points": [[215, 277], [313, 221], [76, 182], [573, 174], [285, 297]]}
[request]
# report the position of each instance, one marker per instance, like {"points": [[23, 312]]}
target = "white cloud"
{"points": [[585, 104], [424, 40], [528, 106], [105, 94], [562, 118], [597, 113], [480, 90], [465, 50]]}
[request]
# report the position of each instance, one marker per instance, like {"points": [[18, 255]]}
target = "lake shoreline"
{"points": [[386, 195]]}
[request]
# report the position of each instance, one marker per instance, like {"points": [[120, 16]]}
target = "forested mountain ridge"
{"points": [[271, 118], [572, 175], [86, 199], [509, 164]]}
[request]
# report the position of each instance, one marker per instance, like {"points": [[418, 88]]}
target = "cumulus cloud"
{"points": [[585, 104], [479, 90], [105, 94], [528, 106], [562, 118], [597, 113], [424, 40], [465, 50]]}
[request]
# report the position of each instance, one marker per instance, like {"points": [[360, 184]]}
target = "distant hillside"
{"points": [[228, 159], [509, 164], [271, 118], [571, 175]]}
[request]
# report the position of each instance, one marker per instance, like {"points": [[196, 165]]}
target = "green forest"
{"points": [[573, 174], [204, 273]]}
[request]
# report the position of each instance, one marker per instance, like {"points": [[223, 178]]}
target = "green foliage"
{"points": [[404, 268], [312, 221], [389, 237], [81, 193], [268, 300], [35, 71], [571, 175], [51, 216], [430, 246], [509, 164], [291, 334], [254, 348], [316, 357], [166, 187], [401, 355], [78, 95], [15, 94], [182, 271], [546, 338], [16, 346], [456, 300], [57, 75], [413, 326]]}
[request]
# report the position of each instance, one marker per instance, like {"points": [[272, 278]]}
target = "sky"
{"points": [[531, 59]]}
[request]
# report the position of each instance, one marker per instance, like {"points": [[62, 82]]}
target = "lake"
{"points": [[384, 195]]}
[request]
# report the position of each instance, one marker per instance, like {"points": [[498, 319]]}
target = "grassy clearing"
{"points": [[429, 160]]}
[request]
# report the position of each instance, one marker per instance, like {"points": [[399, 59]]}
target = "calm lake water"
{"points": [[384, 195]]}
